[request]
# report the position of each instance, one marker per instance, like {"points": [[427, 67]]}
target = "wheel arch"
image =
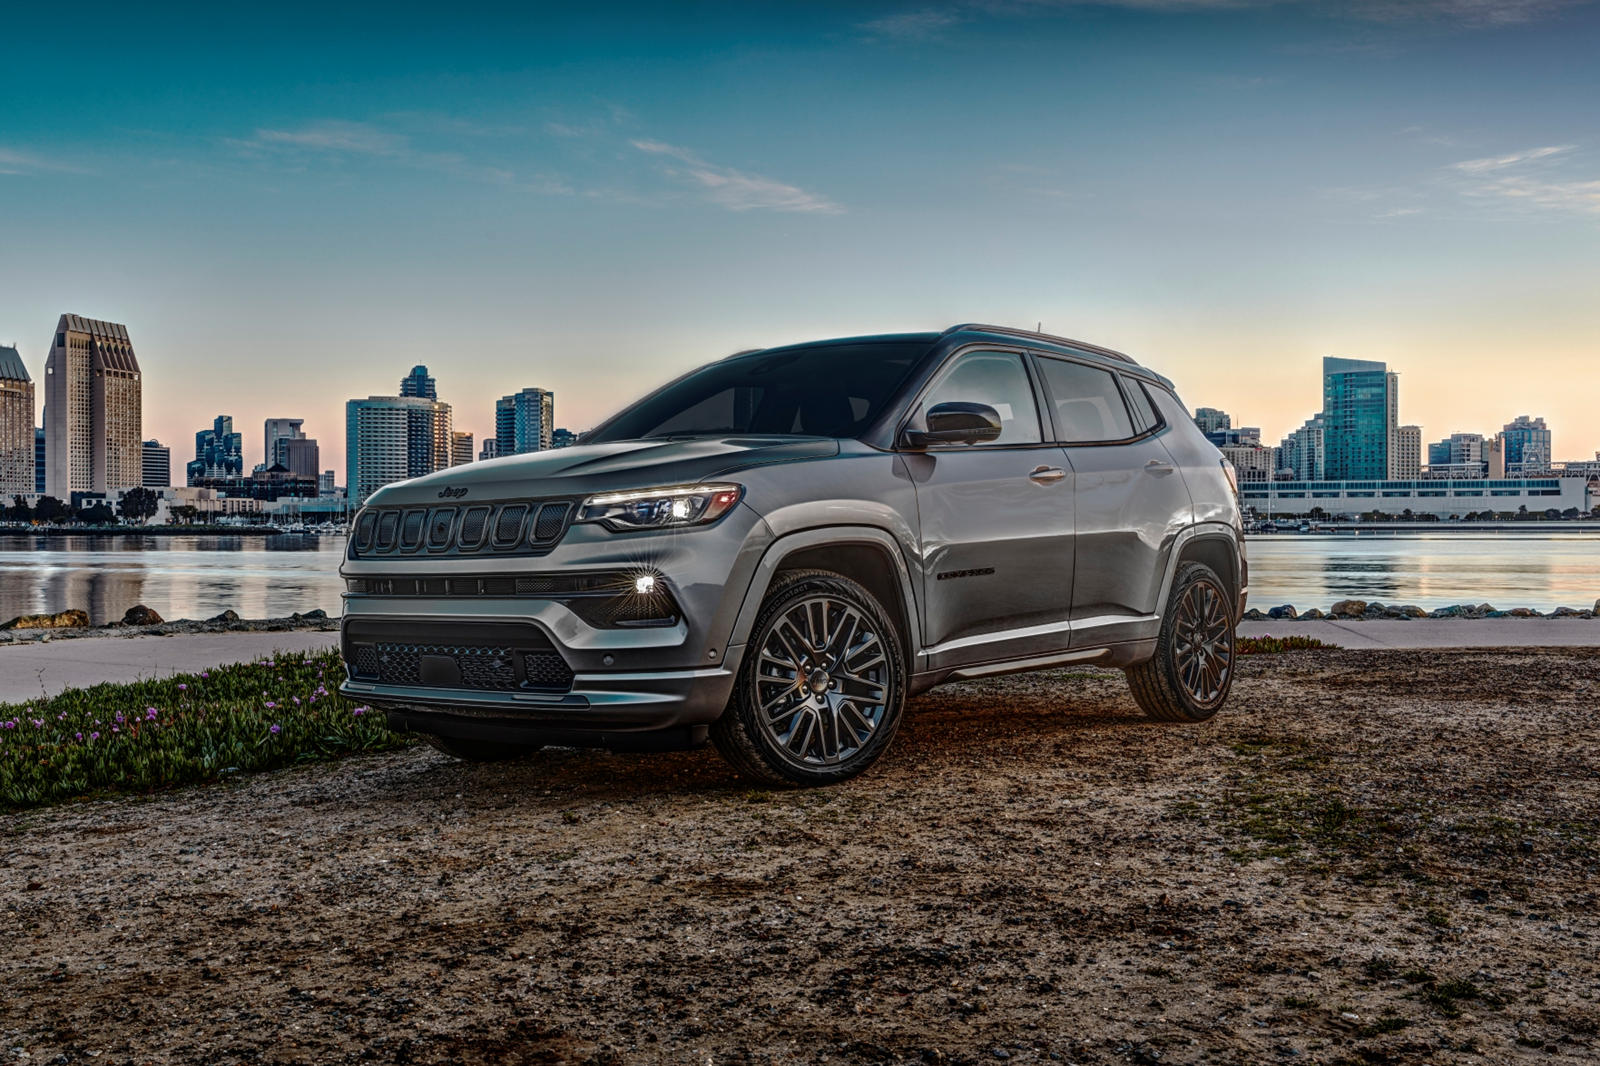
{"points": [[865, 554], [1215, 548]]}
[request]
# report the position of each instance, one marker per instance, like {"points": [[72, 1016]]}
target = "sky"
{"points": [[291, 204]]}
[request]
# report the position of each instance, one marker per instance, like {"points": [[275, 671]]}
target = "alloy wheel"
{"points": [[822, 682], [1202, 647]]}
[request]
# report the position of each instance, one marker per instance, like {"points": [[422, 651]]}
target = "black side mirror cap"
{"points": [[957, 422]]}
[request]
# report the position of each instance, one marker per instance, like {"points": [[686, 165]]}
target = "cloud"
{"points": [[17, 162], [337, 138], [912, 25], [1501, 162], [1582, 197], [332, 136], [736, 190]]}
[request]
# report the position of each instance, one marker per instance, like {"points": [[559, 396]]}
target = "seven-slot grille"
{"points": [[510, 528]]}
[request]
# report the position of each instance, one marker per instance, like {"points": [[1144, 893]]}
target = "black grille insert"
{"points": [[411, 530], [474, 523], [481, 657], [388, 525], [508, 524], [441, 524], [551, 521]]}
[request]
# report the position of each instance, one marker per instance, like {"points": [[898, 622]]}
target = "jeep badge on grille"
{"points": [[449, 493]]}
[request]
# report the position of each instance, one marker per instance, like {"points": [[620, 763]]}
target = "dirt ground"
{"points": [[1369, 857]]}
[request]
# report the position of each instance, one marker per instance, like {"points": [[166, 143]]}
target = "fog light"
{"points": [[644, 585]]}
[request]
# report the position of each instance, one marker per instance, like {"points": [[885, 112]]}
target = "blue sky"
{"points": [[290, 205]]}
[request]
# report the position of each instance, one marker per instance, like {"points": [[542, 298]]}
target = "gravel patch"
{"points": [[1369, 857]]}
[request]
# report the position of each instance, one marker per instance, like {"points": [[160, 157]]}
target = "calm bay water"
{"points": [[262, 577]]}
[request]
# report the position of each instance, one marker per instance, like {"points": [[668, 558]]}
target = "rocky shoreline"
{"points": [[1362, 610], [142, 621]]}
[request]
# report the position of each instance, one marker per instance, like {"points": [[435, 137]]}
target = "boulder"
{"points": [[140, 615], [1286, 611], [1523, 612], [1494, 614], [1253, 615], [1566, 612], [1393, 613], [315, 615], [1315, 612], [1375, 610], [225, 616], [1596, 607], [1411, 610], [1348, 609], [73, 619]]}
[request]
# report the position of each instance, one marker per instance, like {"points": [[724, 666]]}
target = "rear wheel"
{"points": [[480, 750], [1188, 678], [822, 686]]}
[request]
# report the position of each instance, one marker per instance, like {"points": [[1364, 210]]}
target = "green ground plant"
{"points": [[189, 729]]}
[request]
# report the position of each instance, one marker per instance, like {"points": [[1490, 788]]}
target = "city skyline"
{"points": [[598, 200]]}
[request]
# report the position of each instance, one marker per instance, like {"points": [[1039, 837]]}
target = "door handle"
{"points": [[1158, 467], [1044, 475]]}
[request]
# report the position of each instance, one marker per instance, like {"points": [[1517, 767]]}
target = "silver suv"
{"points": [[775, 550]]}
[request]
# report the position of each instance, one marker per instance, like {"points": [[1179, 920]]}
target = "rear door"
{"points": [[995, 522], [1130, 500]]}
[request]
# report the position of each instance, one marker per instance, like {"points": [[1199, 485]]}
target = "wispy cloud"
{"points": [[1501, 162], [15, 161], [1547, 194], [925, 23], [734, 189], [341, 139]]}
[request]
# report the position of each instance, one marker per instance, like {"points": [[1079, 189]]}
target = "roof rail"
{"points": [[980, 327]]}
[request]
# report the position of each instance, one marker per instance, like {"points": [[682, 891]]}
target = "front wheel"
{"points": [[1188, 678], [822, 686]]}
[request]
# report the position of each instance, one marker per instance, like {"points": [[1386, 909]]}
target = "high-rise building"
{"points": [[1494, 455], [156, 465], [1456, 449], [1303, 452], [278, 430], [563, 438], [1405, 462], [392, 438], [418, 383], [1527, 444], [325, 485], [1250, 461], [300, 456], [16, 427], [1210, 420], [490, 450], [39, 452], [92, 409], [218, 452], [524, 421], [1360, 411], [460, 448]]}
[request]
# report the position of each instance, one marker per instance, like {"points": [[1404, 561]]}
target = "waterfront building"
{"points": [[392, 438], [1406, 460], [1527, 444], [300, 456], [325, 485], [419, 384], [156, 465], [1251, 461], [39, 451], [93, 409], [276, 430], [490, 450], [1302, 452], [17, 445], [460, 448], [218, 452], [563, 438], [524, 421], [1439, 497], [1494, 456], [1210, 420], [1360, 411]]}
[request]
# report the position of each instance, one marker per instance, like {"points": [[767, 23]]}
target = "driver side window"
{"points": [[999, 380]]}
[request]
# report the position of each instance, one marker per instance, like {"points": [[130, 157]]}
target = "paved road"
{"points": [[26, 670]]}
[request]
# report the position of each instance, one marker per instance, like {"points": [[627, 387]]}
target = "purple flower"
{"points": [[78, 735], [297, 701], [205, 675], [150, 714], [271, 705], [276, 730], [361, 710], [183, 688], [94, 736]]}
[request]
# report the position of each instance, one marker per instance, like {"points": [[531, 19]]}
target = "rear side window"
{"points": [[1144, 413], [1088, 405]]}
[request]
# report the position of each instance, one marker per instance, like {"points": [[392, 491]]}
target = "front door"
{"points": [[996, 523]]}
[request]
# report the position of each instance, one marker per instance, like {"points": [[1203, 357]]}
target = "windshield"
{"points": [[826, 391]]}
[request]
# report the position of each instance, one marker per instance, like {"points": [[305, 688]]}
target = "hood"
{"points": [[589, 468]]}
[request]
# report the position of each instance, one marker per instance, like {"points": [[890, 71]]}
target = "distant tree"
{"points": [[1551, 514], [50, 509], [1486, 516], [139, 505], [185, 513], [99, 514], [1407, 514], [1522, 512], [1570, 512], [19, 511]]}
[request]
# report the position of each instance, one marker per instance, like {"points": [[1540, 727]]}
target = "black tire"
{"points": [[480, 750], [841, 700], [1188, 678]]}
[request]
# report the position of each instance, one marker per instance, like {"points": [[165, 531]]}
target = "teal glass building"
{"points": [[1360, 408]]}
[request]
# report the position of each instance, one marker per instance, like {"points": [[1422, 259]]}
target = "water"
{"points": [[1543, 571], [263, 577], [180, 577]]}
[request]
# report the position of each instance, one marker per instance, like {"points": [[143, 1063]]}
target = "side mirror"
{"points": [[957, 423]]}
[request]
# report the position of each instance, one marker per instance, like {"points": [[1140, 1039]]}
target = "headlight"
{"points": [[671, 507]]}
